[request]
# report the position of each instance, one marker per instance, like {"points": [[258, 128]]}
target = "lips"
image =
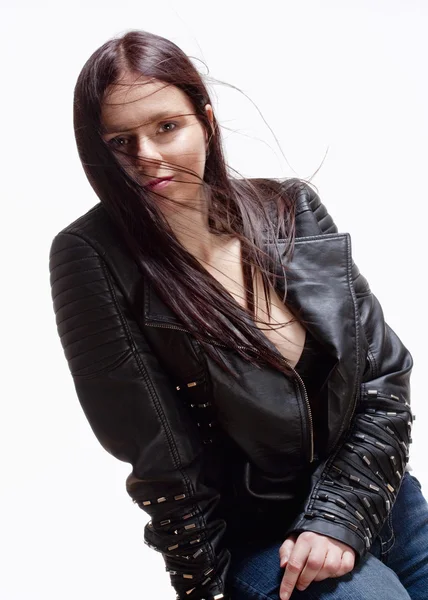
{"points": [[154, 182]]}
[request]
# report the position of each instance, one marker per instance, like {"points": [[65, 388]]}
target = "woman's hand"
{"points": [[312, 557]]}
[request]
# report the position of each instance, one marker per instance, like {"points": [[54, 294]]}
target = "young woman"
{"points": [[222, 341]]}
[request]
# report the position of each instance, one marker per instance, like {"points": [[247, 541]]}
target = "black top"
{"points": [[314, 367], [269, 518]]}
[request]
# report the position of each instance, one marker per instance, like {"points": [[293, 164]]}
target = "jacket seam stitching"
{"points": [[373, 363], [143, 371], [114, 365], [357, 385]]}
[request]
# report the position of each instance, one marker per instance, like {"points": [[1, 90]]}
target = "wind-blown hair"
{"points": [[236, 206]]}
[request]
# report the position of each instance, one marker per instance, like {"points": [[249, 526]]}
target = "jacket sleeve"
{"points": [[134, 412], [354, 490]]}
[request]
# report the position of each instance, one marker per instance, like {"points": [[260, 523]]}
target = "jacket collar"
{"points": [[319, 289]]}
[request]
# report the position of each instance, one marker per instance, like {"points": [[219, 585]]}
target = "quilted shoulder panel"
{"points": [[313, 218], [89, 325], [324, 219]]}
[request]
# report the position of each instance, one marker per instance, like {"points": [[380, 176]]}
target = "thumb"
{"points": [[285, 550]]}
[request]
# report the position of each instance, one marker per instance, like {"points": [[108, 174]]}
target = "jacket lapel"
{"points": [[321, 293]]}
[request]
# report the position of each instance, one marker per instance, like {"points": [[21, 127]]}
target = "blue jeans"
{"points": [[395, 568]]}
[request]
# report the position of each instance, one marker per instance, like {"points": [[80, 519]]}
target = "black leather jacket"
{"points": [[213, 457]]}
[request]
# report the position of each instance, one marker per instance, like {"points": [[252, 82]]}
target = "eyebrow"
{"points": [[160, 115]]}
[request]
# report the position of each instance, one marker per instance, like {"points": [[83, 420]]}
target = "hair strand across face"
{"points": [[237, 207]]}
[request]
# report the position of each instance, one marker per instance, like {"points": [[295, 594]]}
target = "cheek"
{"points": [[122, 158], [189, 147], [131, 166]]}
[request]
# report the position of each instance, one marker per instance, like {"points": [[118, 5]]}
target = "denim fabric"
{"points": [[396, 568]]}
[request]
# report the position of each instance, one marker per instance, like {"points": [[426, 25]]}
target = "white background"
{"points": [[339, 81]]}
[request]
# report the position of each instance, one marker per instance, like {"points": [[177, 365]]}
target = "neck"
{"points": [[190, 225]]}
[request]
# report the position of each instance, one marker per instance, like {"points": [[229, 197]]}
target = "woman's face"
{"points": [[148, 119]]}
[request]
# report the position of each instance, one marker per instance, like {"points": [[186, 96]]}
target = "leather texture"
{"points": [[203, 445]]}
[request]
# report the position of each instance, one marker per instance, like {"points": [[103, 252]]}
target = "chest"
{"points": [[272, 315]]}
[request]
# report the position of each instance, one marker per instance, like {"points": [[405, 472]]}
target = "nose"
{"points": [[147, 148]]}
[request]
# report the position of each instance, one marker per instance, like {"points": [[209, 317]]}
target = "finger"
{"points": [[294, 567], [314, 564], [332, 564], [348, 563], [285, 551]]}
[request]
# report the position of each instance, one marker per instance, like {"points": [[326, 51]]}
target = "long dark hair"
{"points": [[236, 206]]}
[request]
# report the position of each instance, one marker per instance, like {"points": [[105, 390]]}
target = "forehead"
{"points": [[134, 100]]}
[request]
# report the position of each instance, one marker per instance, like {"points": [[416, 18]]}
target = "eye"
{"points": [[174, 125], [118, 142]]}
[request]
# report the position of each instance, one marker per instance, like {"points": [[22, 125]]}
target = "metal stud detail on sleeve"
{"points": [[195, 541], [164, 499], [174, 547]]}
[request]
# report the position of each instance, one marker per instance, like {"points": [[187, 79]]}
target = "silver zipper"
{"points": [[299, 379], [165, 326], [308, 406]]}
